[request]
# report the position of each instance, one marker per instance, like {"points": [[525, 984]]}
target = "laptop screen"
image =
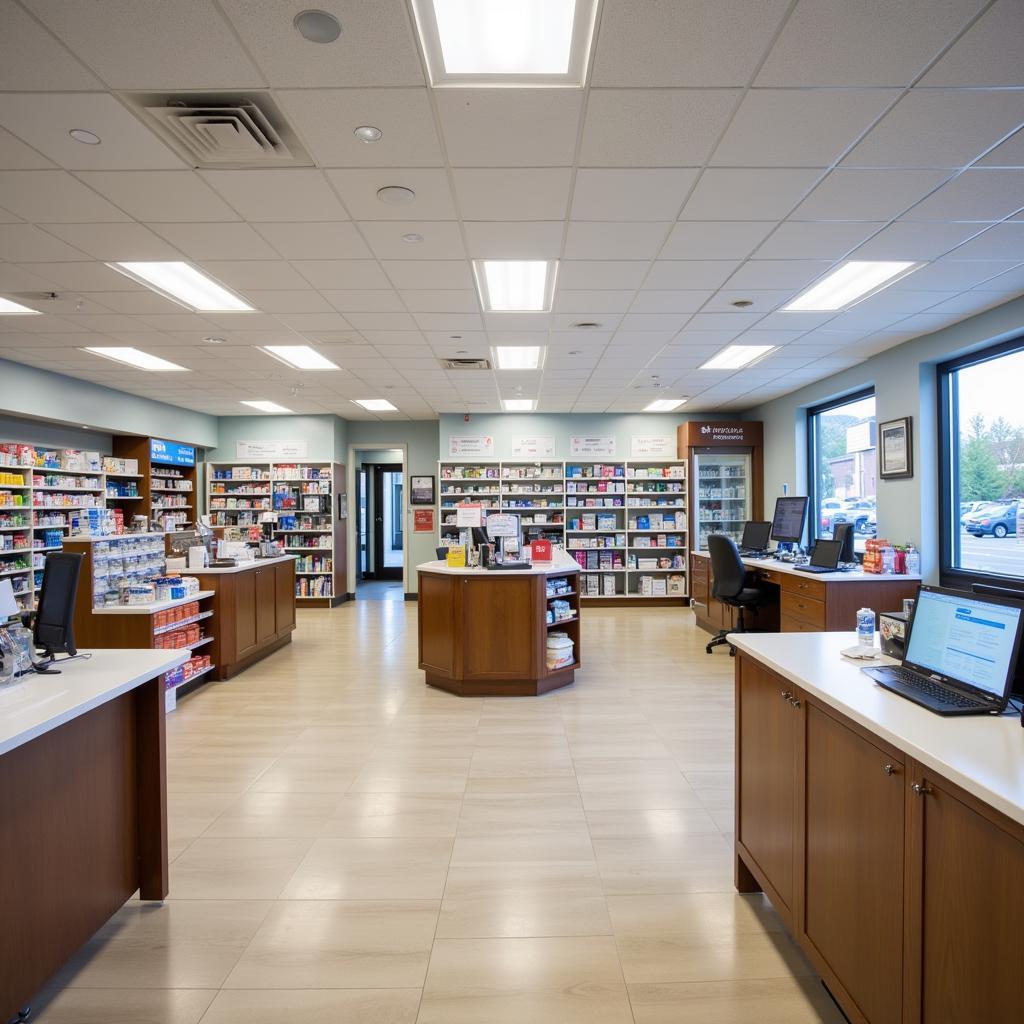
{"points": [[826, 553], [965, 639], [756, 535]]}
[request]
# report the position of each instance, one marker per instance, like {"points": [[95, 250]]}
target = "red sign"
{"points": [[540, 551], [423, 520]]}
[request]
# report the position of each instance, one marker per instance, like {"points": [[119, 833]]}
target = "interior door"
{"points": [[363, 526], [388, 534]]}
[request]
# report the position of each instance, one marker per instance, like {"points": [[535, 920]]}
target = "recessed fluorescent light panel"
{"points": [[518, 404], [182, 283], [664, 404], [135, 357], [850, 283], [8, 308], [518, 357], [736, 356], [301, 357], [266, 406], [375, 404], [506, 42], [515, 286]]}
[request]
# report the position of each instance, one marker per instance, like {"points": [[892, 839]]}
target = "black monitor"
{"points": [[52, 625], [756, 536], [1016, 594], [826, 554], [843, 532], [788, 521], [480, 535]]}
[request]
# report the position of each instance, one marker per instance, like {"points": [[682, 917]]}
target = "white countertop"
{"points": [[983, 754], [39, 704], [256, 563], [149, 609], [852, 576], [560, 563]]}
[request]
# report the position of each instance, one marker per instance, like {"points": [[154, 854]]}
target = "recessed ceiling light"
{"points": [[850, 283], [664, 404], [742, 303], [86, 137], [135, 357], [214, 341], [317, 26], [515, 285], [586, 325], [413, 238], [375, 404], [518, 404], [396, 195], [735, 356], [302, 357], [506, 42], [518, 357], [264, 406], [9, 308], [184, 284], [367, 133], [575, 351]]}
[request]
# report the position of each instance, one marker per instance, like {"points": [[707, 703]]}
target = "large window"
{"points": [[982, 415], [841, 469]]}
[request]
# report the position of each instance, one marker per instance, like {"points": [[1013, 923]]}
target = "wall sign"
{"points": [[696, 434], [471, 444], [537, 447], [271, 451], [502, 524], [170, 453], [585, 447], [652, 447], [421, 490], [422, 520]]}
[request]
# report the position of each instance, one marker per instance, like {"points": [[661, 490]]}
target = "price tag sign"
{"points": [[469, 515], [423, 520], [502, 526]]}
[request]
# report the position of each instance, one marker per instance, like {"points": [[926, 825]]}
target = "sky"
{"points": [[993, 389]]}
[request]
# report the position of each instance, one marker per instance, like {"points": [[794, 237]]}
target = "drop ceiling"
{"points": [[720, 151]]}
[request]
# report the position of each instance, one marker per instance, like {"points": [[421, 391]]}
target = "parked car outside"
{"points": [[968, 508], [994, 520]]}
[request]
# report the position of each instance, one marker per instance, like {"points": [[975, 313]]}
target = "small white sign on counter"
{"points": [[641, 447], [585, 447], [471, 444], [537, 447], [272, 451], [467, 515]]}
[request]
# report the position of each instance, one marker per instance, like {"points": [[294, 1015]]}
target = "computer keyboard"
{"points": [[936, 691]]}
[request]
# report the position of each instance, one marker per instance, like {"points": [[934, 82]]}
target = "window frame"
{"points": [[951, 575], [813, 412]]}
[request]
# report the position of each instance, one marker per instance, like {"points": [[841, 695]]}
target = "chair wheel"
{"points": [[732, 652]]}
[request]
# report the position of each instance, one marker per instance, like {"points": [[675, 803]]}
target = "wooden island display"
{"points": [[484, 633]]}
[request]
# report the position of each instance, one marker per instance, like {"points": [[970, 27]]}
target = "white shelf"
{"points": [[152, 607], [171, 627]]}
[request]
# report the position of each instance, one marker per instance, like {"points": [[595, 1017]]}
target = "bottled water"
{"points": [[866, 627]]}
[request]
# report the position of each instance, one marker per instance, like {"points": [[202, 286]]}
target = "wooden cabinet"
{"points": [[852, 900], [243, 607], [266, 605], [284, 590]]}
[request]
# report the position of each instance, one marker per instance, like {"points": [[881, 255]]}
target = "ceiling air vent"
{"points": [[466, 364], [227, 130]]}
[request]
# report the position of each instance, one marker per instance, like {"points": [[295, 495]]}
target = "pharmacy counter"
{"points": [[83, 808], [486, 632]]}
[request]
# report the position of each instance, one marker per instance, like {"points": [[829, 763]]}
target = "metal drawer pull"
{"points": [[786, 695], [920, 788], [795, 701], [889, 769]]}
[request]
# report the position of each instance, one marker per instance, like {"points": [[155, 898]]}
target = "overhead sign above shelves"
{"points": [[585, 447], [170, 453], [462, 445], [652, 447], [271, 451], [537, 447]]}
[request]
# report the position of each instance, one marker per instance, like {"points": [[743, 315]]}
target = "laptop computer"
{"points": [[824, 557], [756, 536], [961, 653]]}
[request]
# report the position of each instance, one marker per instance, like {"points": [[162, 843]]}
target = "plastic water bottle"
{"points": [[865, 627]]}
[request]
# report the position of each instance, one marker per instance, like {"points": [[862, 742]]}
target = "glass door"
{"points": [[721, 494]]}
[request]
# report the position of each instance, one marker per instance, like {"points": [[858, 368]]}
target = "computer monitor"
{"points": [[1014, 594], [756, 536], [788, 521], [52, 625], [479, 534], [843, 532], [826, 554]]}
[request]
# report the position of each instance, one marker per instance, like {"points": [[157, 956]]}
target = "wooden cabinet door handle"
{"points": [[890, 769], [795, 701], [920, 788], [785, 694]]}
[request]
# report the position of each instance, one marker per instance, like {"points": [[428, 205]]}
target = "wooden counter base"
{"points": [[506, 688]]}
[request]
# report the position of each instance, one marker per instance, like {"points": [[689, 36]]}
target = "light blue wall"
{"points": [[319, 432], [904, 380], [53, 435]]}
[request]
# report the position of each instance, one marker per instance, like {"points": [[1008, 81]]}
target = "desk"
{"points": [[804, 602], [889, 839], [484, 633], [83, 808]]}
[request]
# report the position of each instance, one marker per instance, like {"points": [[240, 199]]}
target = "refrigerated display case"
{"points": [[722, 494]]}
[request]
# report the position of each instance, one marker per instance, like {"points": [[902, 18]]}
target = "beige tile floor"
{"points": [[350, 847]]}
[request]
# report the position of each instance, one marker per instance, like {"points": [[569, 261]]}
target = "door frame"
{"points": [[379, 471]]}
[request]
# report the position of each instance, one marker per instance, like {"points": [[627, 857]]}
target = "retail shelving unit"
{"points": [[465, 482], [535, 491], [595, 528], [168, 490], [656, 509], [237, 492]]}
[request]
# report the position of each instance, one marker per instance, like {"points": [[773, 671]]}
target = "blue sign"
{"points": [[169, 453]]}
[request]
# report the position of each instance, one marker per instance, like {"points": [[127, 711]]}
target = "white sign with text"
{"points": [[462, 445], [586, 447], [540, 447], [271, 451], [652, 447]]}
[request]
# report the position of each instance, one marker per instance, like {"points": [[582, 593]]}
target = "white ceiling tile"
{"points": [[987, 195], [216, 241], [793, 321], [327, 274], [696, 43], [286, 59], [763, 300], [278, 194], [939, 128], [721, 240], [988, 53], [160, 195], [303, 322], [733, 320], [798, 128], [361, 300], [433, 300], [906, 240], [246, 274], [526, 193], [115, 242], [55, 197], [83, 276], [1008, 154], [999, 242], [814, 239], [866, 194], [289, 301], [140, 303], [601, 273], [953, 275], [689, 274], [16, 156], [385, 339], [30, 58], [25, 243], [676, 301], [358, 190], [441, 240], [514, 240], [43, 120], [654, 127], [781, 274], [1006, 284], [428, 274], [499, 322], [655, 321], [326, 119], [833, 42], [631, 194], [614, 240], [454, 323], [742, 193], [381, 321], [509, 127], [971, 303], [570, 300], [326, 241]]}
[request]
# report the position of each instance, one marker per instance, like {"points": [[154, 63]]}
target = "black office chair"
{"points": [[730, 585], [441, 552]]}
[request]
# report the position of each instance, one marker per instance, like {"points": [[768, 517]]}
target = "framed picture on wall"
{"points": [[421, 490], [895, 449]]}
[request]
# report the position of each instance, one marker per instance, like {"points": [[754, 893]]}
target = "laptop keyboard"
{"points": [[936, 691]]}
